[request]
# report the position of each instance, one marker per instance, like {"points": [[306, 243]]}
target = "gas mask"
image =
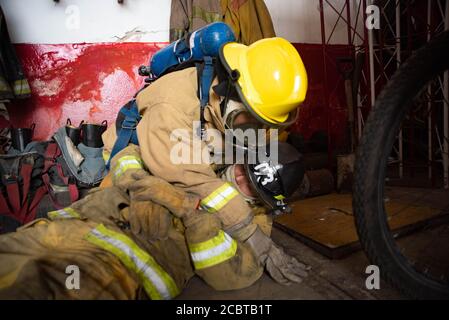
{"points": [[247, 130]]}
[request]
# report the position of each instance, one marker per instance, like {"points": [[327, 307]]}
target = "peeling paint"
{"points": [[91, 82], [46, 88], [83, 81], [132, 35]]}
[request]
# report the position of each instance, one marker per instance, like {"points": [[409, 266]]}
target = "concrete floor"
{"points": [[328, 279], [344, 278]]}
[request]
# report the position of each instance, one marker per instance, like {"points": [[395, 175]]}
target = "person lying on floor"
{"points": [[137, 239]]}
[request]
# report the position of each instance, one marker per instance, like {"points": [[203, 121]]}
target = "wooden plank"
{"points": [[326, 223]]}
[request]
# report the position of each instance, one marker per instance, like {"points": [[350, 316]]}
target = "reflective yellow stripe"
{"points": [[219, 198], [21, 87], [157, 283], [213, 251], [125, 163], [106, 155], [66, 213]]}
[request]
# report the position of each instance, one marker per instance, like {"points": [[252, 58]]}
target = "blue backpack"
{"points": [[200, 49]]}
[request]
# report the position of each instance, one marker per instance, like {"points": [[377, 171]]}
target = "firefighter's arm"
{"points": [[213, 251], [124, 164], [167, 149]]}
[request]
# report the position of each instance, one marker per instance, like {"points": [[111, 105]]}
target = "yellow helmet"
{"points": [[270, 76]]}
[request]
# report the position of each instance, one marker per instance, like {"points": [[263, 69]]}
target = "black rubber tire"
{"points": [[379, 134]]}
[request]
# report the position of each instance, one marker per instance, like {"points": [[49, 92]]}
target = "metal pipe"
{"points": [[348, 22], [446, 112], [429, 103], [326, 89], [398, 63], [371, 65]]}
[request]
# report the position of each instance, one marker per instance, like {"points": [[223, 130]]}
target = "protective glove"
{"points": [[149, 220], [150, 188], [283, 268]]}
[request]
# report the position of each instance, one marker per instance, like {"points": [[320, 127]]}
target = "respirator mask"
{"points": [[247, 131]]}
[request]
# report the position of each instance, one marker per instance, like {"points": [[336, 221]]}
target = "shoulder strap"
{"points": [[127, 132], [205, 73]]}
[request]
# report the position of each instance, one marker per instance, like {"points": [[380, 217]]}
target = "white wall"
{"points": [[44, 21], [299, 20]]}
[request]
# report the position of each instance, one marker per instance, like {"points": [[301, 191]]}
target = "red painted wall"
{"points": [[92, 81], [316, 114], [78, 81]]}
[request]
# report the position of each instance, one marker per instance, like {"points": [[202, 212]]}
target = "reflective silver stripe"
{"points": [[141, 266], [66, 213], [219, 198], [126, 164], [212, 203], [63, 214], [213, 252]]}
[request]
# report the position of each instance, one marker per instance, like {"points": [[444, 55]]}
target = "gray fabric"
{"points": [[92, 170]]}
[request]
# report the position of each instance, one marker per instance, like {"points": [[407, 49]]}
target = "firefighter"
{"points": [[125, 246], [259, 86]]}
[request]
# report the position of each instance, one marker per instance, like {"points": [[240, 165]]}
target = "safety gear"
{"points": [[89, 235], [276, 181], [245, 128], [94, 235], [235, 109], [92, 132], [201, 43], [157, 283], [150, 188], [269, 77], [283, 268], [218, 258], [126, 123], [73, 132], [42, 251], [198, 49], [145, 218], [91, 170], [250, 19], [186, 16], [124, 164], [175, 94], [149, 219], [212, 250]]}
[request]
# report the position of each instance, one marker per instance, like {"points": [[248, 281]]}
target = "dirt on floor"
{"points": [[343, 278], [328, 279]]}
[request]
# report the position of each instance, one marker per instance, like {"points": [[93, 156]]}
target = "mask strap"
{"points": [[230, 108], [224, 103]]}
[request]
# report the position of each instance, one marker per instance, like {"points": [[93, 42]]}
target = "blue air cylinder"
{"points": [[200, 43]]}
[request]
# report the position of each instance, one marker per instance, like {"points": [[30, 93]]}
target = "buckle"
{"points": [[129, 125], [130, 128]]}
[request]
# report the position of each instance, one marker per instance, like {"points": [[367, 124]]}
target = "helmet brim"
{"points": [[231, 62]]}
